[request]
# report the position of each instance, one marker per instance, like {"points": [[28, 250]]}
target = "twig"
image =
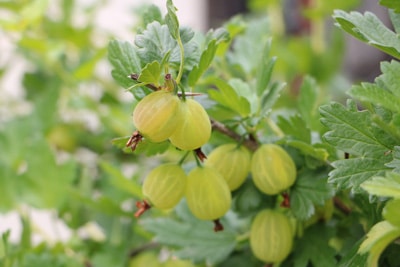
{"points": [[250, 143], [341, 206]]}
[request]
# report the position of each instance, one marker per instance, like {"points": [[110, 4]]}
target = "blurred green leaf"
{"points": [[308, 102], [378, 238], [172, 21], [368, 28], [393, 4], [293, 127], [395, 19], [227, 96], [205, 60], [395, 163], [264, 70], [269, 97], [121, 182], [313, 248]]}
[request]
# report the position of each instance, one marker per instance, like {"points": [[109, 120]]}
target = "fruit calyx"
{"points": [[142, 207], [218, 225], [134, 140], [286, 200]]}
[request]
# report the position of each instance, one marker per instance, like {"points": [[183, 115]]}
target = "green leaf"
{"points": [[205, 60], [123, 58], [245, 54], [194, 239], [171, 20], [395, 19], [265, 68], [227, 96], [378, 238], [368, 28], [269, 97], [391, 212], [388, 186], [310, 189], [351, 173], [395, 163], [353, 259], [393, 4], [313, 248], [155, 42], [293, 127], [118, 180], [374, 94], [352, 132], [389, 79], [151, 74], [309, 150], [308, 102]]}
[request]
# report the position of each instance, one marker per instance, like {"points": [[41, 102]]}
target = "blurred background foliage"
{"points": [[60, 112]]}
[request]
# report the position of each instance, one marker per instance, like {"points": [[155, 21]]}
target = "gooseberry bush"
{"points": [[310, 183], [200, 149]]}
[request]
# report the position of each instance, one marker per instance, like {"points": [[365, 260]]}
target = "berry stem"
{"points": [[142, 207], [218, 226]]}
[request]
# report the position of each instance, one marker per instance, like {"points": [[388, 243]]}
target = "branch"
{"points": [[250, 143]]}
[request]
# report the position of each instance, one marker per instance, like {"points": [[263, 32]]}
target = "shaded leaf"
{"points": [[310, 189], [313, 248]]}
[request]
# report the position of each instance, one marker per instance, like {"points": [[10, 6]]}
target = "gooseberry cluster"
{"points": [[166, 115]]}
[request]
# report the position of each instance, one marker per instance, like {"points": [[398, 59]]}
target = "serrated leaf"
{"points": [[194, 239], [172, 20], [351, 131], [391, 212], [388, 186], [156, 41], [151, 74], [395, 163], [395, 19], [378, 238], [310, 189], [228, 97], [374, 94], [389, 77], [368, 28], [351, 173], [393, 4], [123, 58], [313, 248]]}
